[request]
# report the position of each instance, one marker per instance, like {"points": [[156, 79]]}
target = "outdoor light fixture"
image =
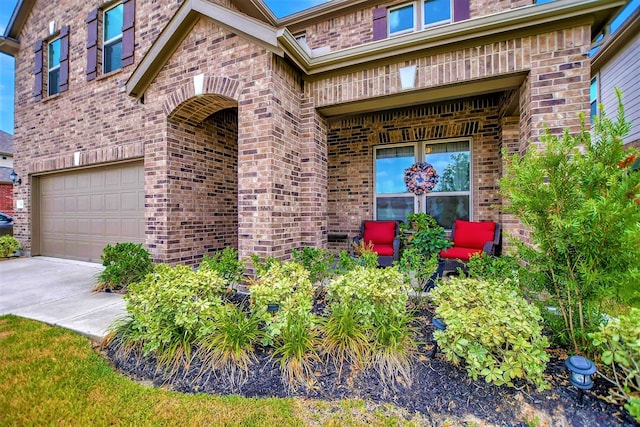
{"points": [[272, 307], [581, 371], [13, 176], [438, 325]]}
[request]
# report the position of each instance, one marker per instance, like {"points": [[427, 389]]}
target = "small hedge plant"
{"points": [[618, 342], [8, 245], [318, 262], [227, 264], [124, 263], [493, 329], [169, 311]]}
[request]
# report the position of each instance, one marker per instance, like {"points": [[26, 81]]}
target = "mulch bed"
{"points": [[438, 387]]}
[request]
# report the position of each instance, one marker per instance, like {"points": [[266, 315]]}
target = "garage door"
{"points": [[82, 211]]}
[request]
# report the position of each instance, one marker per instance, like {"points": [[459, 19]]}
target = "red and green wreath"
{"points": [[421, 178]]}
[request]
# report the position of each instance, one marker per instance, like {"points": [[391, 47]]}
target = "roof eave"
{"points": [[516, 20], [630, 29], [9, 46]]}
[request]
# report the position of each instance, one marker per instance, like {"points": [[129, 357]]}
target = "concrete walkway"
{"points": [[58, 292]]}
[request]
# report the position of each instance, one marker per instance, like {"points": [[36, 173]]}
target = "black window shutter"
{"points": [[37, 71], [380, 23], [460, 10], [92, 45], [64, 58], [128, 25]]}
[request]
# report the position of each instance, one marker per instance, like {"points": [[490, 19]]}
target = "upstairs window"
{"points": [[402, 19], [436, 12], [112, 39], [53, 70], [417, 15]]}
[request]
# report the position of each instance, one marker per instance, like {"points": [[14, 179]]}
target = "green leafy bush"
{"points": [[493, 329], [226, 263], [285, 286], [8, 245], [365, 255], [618, 343], [417, 267], [261, 267], [124, 263], [371, 289], [427, 238], [317, 261], [503, 268], [579, 197], [169, 311]]}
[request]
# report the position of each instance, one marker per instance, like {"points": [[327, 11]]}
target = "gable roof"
{"points": [[282, 42], [6, 143]]}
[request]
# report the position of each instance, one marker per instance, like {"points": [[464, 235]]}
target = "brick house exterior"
{"points": [[236, 128]]}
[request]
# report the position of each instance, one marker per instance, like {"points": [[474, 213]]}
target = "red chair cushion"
{"points": [[383, 250], [473, 235], [462, 254], [379, 232]]}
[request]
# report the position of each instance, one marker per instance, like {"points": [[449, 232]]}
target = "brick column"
{"points": [[314, 182]]}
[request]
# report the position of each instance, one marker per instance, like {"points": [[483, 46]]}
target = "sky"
{"points": [[282, 8], [6, 72]]}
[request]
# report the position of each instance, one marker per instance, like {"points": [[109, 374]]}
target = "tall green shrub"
{"points": [[8, 245], [580, 199]]}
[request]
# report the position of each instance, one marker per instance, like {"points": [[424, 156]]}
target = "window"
{"points": [[112, 39], [450, 199], [436, 12], [402, 19], [53, 69], [417, 15], [593, 98]]}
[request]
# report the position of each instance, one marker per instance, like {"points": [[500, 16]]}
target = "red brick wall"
{"points": [[6, 198], [351, 143]]}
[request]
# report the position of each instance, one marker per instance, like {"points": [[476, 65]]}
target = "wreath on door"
{"points": [[421, 178]]}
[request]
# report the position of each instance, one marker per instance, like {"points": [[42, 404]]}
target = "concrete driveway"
{"points": [[58, 292]]}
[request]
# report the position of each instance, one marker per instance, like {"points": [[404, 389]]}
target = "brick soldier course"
{"points": [[253, 139]]}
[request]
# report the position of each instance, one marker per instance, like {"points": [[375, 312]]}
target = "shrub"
{"points": [[261, 267], [618, 342], [287, 286], [227, 264], [169, 311], [503, 268], [365, 256], [229, 348], [124, 263], [371, 289], [317, 261], [493, 329], [417, 267], [579, 196], [428, 237], [8, 245]]}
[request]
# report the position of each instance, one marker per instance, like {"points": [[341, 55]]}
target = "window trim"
{"points": [[113, 40], [419, 153]]}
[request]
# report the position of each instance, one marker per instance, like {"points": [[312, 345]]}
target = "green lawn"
{"points": [[51, 376]]}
